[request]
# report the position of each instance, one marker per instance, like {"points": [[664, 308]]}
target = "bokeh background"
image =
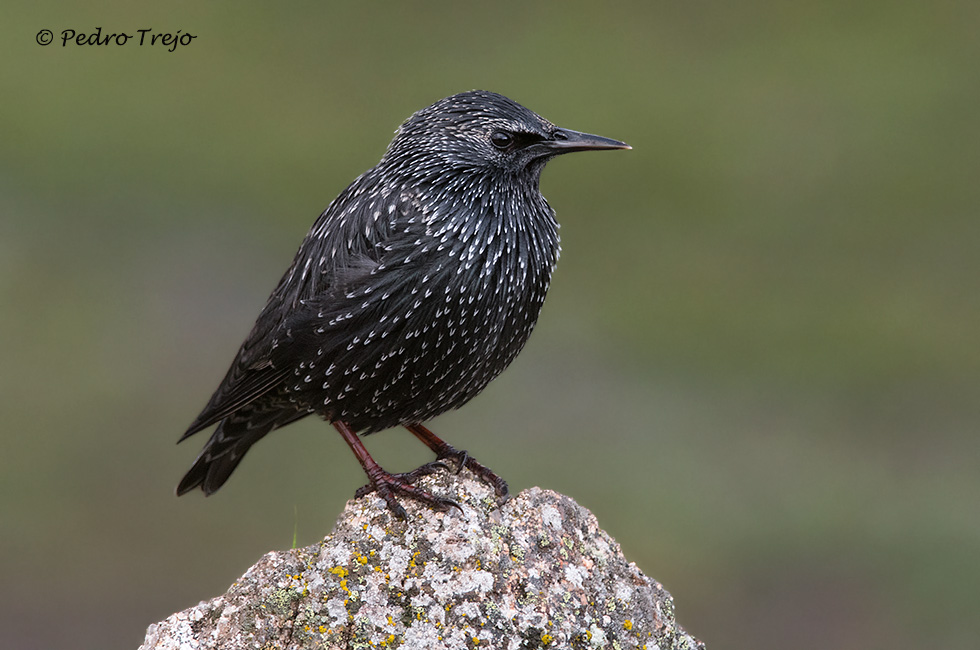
{"points": [[758, 365]]}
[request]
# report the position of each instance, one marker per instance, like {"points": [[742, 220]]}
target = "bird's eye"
{"points": [[501, 139]]}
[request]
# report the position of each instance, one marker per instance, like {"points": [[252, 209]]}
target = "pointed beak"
{"points": [[566, 141]]}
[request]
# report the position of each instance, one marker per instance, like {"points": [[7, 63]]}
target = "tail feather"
{"points": [[229, 442]]}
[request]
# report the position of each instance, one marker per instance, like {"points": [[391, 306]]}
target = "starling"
{"points": [[414, 289]]}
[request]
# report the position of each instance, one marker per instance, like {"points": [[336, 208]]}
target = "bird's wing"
{"points": [[251, 376], [341, 249]]}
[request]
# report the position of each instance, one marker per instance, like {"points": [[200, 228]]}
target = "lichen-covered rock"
{"points": [[536, 572]]}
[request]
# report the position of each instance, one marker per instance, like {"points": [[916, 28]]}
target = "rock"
{"points": [[536, 572]]}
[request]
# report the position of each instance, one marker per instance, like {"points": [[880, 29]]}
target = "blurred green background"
{"points": [[758, 365]]}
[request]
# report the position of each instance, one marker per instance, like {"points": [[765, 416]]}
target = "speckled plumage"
{"points": [[415, 288]]}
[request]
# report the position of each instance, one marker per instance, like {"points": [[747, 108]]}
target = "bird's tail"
{"points": [[227, 446]]}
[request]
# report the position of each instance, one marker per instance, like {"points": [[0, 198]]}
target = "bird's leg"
{"points": [[462, 459], [385, 484]]}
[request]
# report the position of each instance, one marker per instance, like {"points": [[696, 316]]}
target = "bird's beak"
{"points": [[566, 141]]}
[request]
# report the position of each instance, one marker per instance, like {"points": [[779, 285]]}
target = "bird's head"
{"points": [[482, 130]]}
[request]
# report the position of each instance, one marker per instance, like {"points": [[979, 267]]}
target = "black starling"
{"points": [[415, 288]]}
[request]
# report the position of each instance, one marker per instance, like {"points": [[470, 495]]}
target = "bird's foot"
{"points": [[445, 451], [462, 459], [388, 486]]}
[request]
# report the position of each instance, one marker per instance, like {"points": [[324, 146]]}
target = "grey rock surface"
{"points": [[536, 572]]}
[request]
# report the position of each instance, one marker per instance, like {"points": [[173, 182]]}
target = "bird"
{"points": [[417, 286]]}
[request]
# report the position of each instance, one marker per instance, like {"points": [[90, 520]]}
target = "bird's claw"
{"points": [[388, 485], [461, 459]]}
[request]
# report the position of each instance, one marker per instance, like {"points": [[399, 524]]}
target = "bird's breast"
{"points": [[440, 316]]}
